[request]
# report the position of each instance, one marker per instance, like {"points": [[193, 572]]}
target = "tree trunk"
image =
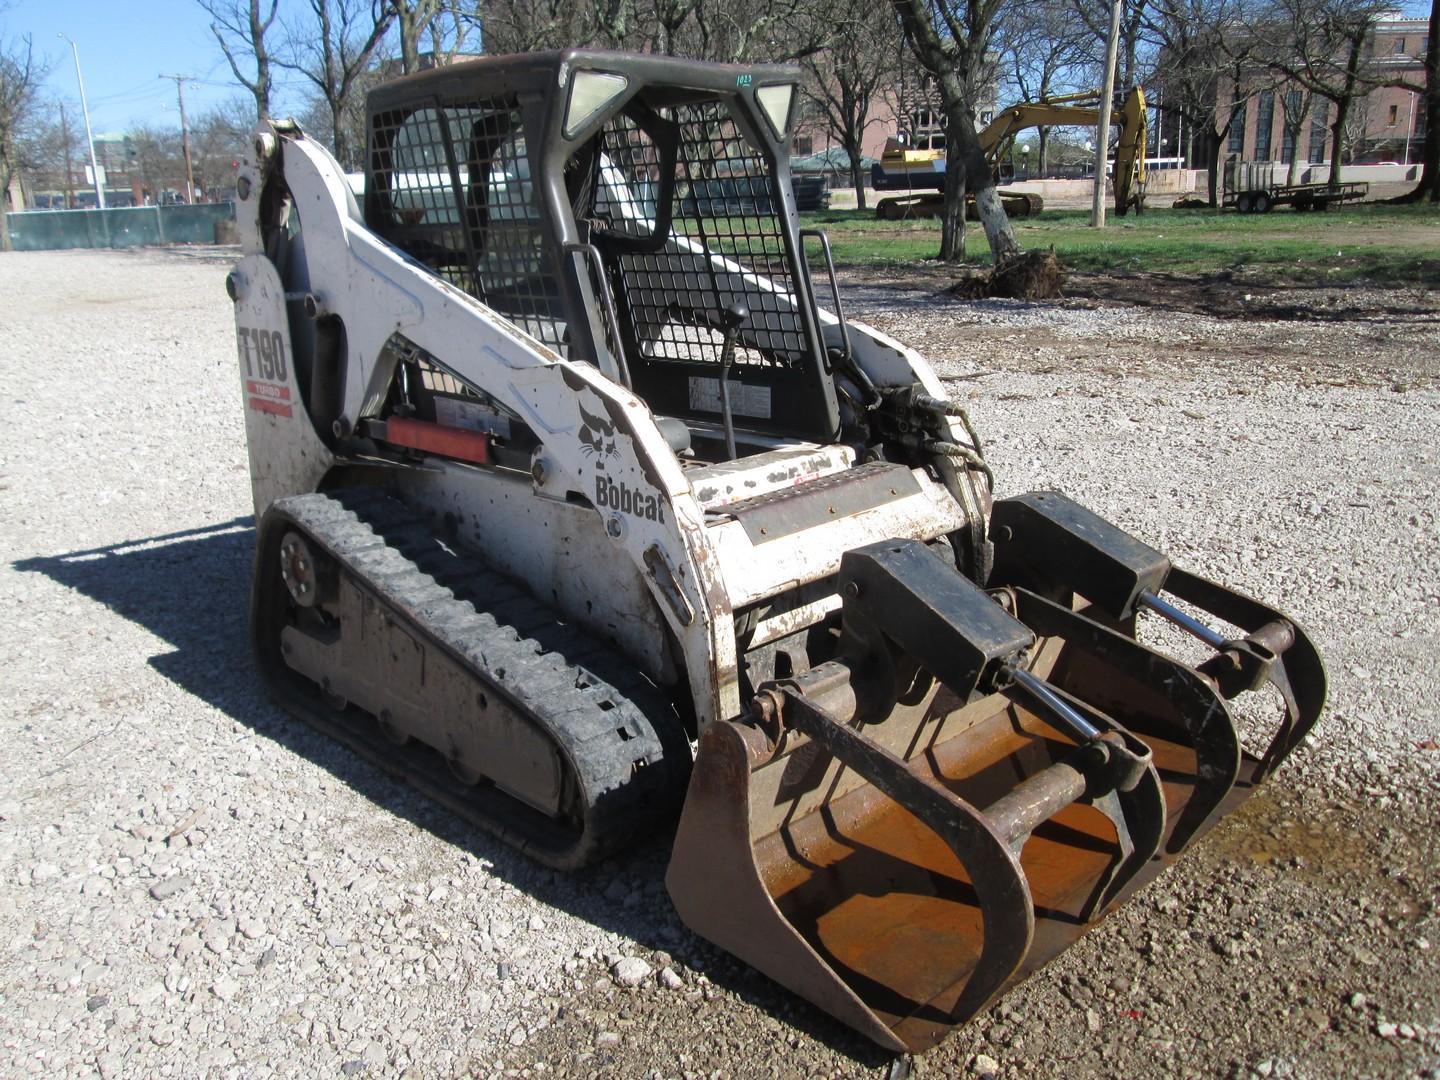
{"points": [[962, 149], [410, 22], [1212, 179], [1430, 182], [1337, 139], [258, 27], [337, 135], [1342, 109], [4, 226], [1292, 175], [952, 229], [1429, 185], [857, 175], [996, 224]]}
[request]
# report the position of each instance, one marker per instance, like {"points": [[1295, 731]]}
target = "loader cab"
{"points": [[634, 212]]}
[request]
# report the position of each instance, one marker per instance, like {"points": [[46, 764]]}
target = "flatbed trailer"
{"points": [[1250, 188], [1262, 200]]}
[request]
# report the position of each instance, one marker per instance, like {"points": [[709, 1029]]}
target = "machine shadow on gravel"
{"points": [[190, 588]]}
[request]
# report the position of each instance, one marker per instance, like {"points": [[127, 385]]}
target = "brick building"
{"points": [[1279, 123]]}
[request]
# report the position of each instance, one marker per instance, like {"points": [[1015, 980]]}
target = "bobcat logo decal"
{"points": [[598, 436]]}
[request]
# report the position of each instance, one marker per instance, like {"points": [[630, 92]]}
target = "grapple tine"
{"points": [[1294, 668], [1117, 674], [991, 865]]}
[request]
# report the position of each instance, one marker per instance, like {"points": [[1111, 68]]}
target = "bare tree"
{"points": [[157, 158], [949, 39], [1040, 44], [1323, 46], [20, 74], [419, 20], [1429, 186], [50, 146], [724, 30], [218, 141], [1205, 69], [1297, 107], [668, 18], [449, 32], [332, 52], [846, 81], [530, 25], [1135, 16], [241, 27], [740, 31]]}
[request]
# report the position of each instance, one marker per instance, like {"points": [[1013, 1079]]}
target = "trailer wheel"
{"points": [[888, 210], [1262, 202], [1304, 203], [1244, 203]]}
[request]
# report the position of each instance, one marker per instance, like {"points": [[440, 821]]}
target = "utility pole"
{"points": [[1102, 135], [180, 81], [89, 134], [69, 170]]}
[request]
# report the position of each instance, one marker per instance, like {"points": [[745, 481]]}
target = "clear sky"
{"points": [[124, 49]]}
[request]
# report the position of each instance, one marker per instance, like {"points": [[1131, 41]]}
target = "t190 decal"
{"points": [[262, 358]]}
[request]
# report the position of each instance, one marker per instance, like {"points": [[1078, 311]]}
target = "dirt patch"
{"points": [[1033, 275], [1228, 294], [1231, 295]]}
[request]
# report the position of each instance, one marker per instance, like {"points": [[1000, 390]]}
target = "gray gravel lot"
{"points": [[193, 884]]}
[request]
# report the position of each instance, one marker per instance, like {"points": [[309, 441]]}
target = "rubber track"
{"points": [[627, 753]]}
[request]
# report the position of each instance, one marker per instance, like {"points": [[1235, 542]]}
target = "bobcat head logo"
{"points": [[598, 436]]}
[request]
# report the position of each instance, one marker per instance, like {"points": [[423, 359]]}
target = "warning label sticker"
{"points": [[745, 399]]}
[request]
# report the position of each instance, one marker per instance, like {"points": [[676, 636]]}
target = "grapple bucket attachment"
{"points": [[900, 833]]}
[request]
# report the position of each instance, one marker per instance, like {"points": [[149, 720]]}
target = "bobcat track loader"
{"points": [[578, 510]]}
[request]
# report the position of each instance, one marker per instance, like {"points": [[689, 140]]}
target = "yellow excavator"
{"points": [[917, 167]]}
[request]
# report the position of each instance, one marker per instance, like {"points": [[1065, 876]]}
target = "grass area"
{"points": [[1397, 245]]}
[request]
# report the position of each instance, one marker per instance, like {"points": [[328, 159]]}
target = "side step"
{"points": [[449, 675]]}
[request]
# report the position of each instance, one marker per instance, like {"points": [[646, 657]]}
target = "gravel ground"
{"points": [[192, 884]]}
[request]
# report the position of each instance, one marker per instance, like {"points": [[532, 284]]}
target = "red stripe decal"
{"points": [[461, 443], [275, 408], [267, 390]]}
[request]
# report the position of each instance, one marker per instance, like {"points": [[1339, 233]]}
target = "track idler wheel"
{"points": [[298, 570]]}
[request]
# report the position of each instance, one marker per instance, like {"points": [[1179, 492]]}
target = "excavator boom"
{"points": [[903, 168]]}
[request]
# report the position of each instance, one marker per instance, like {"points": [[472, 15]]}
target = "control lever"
{"points": [[731, 319]]}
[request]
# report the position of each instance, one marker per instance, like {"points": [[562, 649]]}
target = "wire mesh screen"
{"points": [[721, 202], [453, 189]]}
